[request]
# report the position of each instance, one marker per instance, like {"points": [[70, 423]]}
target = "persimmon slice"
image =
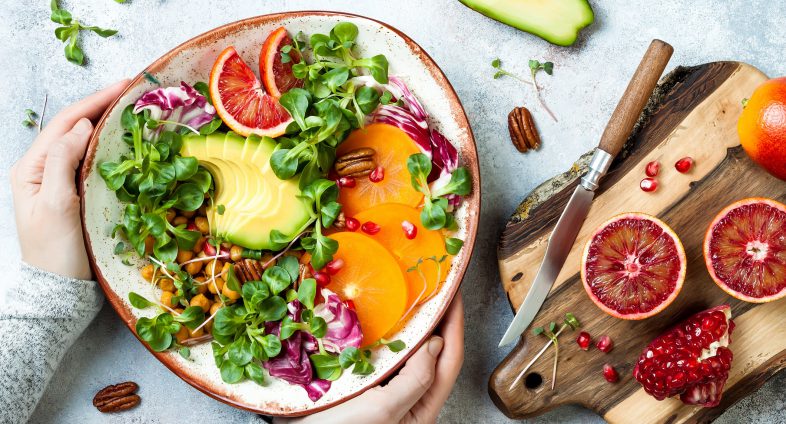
{"points": [[392, 148], [426, 244], [372, 279]]}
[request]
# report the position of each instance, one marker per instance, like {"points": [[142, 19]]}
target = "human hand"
{"points": [[418, 392], [43, 183]]}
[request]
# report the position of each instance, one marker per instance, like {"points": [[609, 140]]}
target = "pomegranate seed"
{"points": [[583, 340], [209, 249], [346, 182], [684, 165], [350, 304], [649, 184], [351, 223], [377, 175], [410, 230], [652, 168], [323, 278], [191, 227], [605, 344], [334, 266], [610, 374], [370, 228]]}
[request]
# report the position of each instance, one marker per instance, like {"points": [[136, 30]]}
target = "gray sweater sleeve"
{"points": [[43, 314]]}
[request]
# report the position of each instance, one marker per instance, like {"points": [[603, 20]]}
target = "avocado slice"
{"points": [[255, 201], [556, 21]]}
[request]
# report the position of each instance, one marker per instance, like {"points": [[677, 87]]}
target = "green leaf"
{"points": [[72, 51], [453, 245], [186, 239], [284, 164], [253, 372], [185, 167], [419, 166], [496, 63], [362, 368], [231, 373], [271, 345], [322, 251], [538, 331], [460, 184], [189, 197], [317, 327], [150, 77], [184, 351], [548, 67], [211, 126], [336, 77], [296, 102], [239, 352], [288, 328], [277, 279], [155, 224], [307, 292], [291, 265], [367, 99], [386, 97], [165, 248], [345, 31], [329, 213], [433, 216], [395, 345], [138, 301], [273, 309], [192, 317], [348, 357], [103, 32], [326, 366], [60, 16]]}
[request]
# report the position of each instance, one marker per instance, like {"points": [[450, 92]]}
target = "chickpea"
{"points": [[180, 220], [202, 211], [166, 299], [179, 310], [209, 326], [182, 334], [236, 253], [305, 258], [149, 243], [188, 214], [199, 245], [267, 257], [166, 284], [197, 333], [202, 224], [217, 283], [184, 255], [170, 215], [225, 268], [231, 294], [194, 267], [201, 301], [147, 272], [215, 307], [214, 267], [201, 286]]}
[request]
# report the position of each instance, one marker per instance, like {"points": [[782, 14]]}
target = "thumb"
{"points": [[62, 159]]}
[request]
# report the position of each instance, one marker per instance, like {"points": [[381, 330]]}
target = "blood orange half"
{"points": [[275, 73], [745, 250], [240, 100], [633, 266]]}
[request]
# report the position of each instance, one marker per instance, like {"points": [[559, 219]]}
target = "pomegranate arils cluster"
{"points": [[691, 360], [652, 169]]}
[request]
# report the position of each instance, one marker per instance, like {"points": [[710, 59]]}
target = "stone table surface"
{"points": [[587, 82]]}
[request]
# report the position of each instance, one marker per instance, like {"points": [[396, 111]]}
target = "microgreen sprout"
{"points": [[570, 321], [30, 118], [68, 33], [534, 67]]}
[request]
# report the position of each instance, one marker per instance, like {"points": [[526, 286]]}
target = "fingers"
{"points": [[62, 159]]}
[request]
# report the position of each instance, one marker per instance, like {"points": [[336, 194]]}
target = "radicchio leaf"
{"points": [[343, 326], [181, 104]]}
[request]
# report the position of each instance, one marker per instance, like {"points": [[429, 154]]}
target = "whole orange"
{"points": [[762, 126]]}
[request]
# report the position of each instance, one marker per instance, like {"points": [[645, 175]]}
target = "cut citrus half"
{"points": [[275, 73], [372, 279], [392, 147], [426, 247], [633, 266], [240, 100], [745, 250]]}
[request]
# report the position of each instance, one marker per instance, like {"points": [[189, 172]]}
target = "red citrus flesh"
{"points": [[745, 250], [240, 100], [633, 266], [277, 75]]}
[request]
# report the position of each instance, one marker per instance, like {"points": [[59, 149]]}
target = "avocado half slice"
{"points": [[556, 21], [255, 202]]}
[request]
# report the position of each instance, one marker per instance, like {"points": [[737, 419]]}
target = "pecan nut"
{"points": [[118, 397], [356, 163], [248, 270], [341, 221], [522, 129]]}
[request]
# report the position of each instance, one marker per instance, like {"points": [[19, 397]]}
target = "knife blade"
{"points": [[567, 228]]}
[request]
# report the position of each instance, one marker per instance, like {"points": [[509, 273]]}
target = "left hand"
{"points": [[44, 189]]}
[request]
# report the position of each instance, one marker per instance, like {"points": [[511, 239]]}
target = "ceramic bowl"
{"points": [[191, 62]]}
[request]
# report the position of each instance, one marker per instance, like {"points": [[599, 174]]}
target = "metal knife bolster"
{"points": [[598, 166]]}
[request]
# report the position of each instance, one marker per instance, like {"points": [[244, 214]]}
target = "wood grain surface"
{"points": [[693, 113]]}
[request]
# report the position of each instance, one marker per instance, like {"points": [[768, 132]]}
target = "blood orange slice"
{"points": [[633, 266], [275, 73], [240, 100], [745, 250]]}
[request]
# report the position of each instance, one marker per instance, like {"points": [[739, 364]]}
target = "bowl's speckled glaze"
{"points": [[191, 62]]}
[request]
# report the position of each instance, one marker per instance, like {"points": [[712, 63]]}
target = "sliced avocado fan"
{"points": [[556, 21], [249, 201]]}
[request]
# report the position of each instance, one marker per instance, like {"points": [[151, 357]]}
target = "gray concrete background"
{"points": [[588, 80]]}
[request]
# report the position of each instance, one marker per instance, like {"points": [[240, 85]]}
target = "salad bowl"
{"points": [[192, 61]]}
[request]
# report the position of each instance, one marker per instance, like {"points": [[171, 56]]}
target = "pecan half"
{"points": [[248, 270], [118, 397], [341, 221], [355, 163], [523, 133]]}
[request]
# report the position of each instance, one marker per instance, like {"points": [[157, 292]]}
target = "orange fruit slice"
{"points": [[277, 75], [240, 100], [426, 244], [372, 279], [393, 147]]}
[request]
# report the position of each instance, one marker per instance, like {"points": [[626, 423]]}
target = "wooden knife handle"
{"points": [[635, 97]]}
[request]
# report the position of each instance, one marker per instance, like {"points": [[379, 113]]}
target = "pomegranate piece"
{"points": [[605, 344], [352, 224], [684, 165], [377, 175], [649, 184], [334, 266], [346, 182], [610, 374], [370, 227], [691, 360], [323, 279], [410, 230], [652, 168], [583, 340]]}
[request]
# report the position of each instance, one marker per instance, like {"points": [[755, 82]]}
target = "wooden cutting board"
{"points": [[693, 112]]}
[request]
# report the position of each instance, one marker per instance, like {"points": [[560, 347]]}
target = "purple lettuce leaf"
{"points": [[181, 104], [343, 326]]}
